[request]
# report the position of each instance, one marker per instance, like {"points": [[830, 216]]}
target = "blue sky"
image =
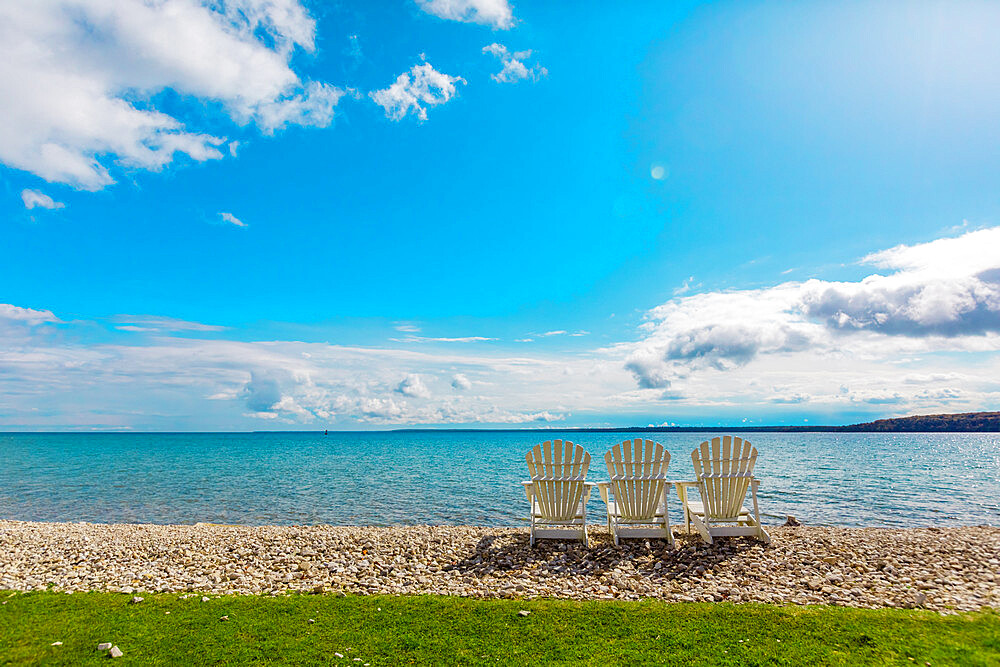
{"points": [[279, 215]]}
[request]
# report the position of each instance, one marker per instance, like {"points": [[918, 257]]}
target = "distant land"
{"points": [[946, 423]]}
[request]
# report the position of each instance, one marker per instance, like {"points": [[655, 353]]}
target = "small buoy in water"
{"points": [[325, 432]]}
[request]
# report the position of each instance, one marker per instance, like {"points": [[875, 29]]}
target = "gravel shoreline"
{"points": [[945, 569]]}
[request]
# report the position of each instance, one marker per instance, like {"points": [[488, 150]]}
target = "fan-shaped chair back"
{"points": [[724, 469], [558, 471], [638, 472]]}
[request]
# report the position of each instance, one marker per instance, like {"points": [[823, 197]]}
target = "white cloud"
{"points": [[314, 106], [940, 295], [413, 385], [514, 65], [79, 86], [33, 198], [170, 381], [155, 323], [414, 91], [727, 355], [557, 332], [790, 398], [494, 13], [686, 287], [232, 219], [406, 328], [877, 397], [459, 339], [28, 316]]}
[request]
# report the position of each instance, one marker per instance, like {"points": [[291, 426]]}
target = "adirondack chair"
{"points": [[724, 471], [636, 496], [558, 491]]}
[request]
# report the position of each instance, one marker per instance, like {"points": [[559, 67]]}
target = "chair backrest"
{"points": [[724, 468], [638, 472], [558, 470]]}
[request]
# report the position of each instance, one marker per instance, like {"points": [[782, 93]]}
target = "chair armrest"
{"points": [[682, 491], [604, 488], [529, 490]]}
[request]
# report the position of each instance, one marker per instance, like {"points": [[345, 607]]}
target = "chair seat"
{"points": [[536, 512], [697, 507], [613, 512]]}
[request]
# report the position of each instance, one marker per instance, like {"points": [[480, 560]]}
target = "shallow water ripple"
{"points": [[394, 478]]}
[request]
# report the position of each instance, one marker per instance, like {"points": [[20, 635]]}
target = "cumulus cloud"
{"points": [[947, 288], [18, 328], [878, 397], [51, 380], [413, 385], [28, 316], [414, 91], [232, 219], [515, 67], [82, 81], [790, 399], [494, 13], [647, 366], [722, 355], [263, 391], [33, 198]]}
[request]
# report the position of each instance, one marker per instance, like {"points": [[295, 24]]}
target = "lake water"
{"points": [[388, 478]]}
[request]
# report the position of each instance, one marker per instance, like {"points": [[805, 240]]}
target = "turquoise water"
{"points": [[467, 478]]}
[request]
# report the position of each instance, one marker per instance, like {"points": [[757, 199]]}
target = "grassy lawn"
{"points": [[393, 630]]}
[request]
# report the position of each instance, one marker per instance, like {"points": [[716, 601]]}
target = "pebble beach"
{"points": [[944, 569]]}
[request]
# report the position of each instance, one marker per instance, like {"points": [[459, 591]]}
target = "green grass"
{"points": [[440, 630]]}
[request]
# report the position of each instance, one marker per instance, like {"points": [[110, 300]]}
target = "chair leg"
{"points": [[682, 496], [666, 520], [761, 533], [702, 528]]}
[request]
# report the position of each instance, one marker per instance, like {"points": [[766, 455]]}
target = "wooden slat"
{"points": [[724, 467], [637, 470], [558, 470]]}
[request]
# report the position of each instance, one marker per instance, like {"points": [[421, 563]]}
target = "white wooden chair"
{"points": [[724, 471], [636, 496], [558, 491]]}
